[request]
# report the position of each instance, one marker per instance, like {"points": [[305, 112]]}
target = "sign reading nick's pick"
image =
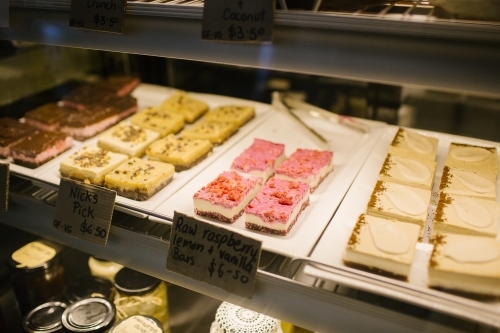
{"points": [[102, 15], [214, 255], [84, 211]]}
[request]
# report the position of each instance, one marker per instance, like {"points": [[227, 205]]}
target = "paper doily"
{"points": [[231, 318]]}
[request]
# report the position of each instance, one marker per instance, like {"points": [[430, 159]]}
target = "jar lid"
{"points": [[138, 324], [233, 318], [88, 286], [34, 256], [133, 282], [44, 318], [93, 314]]}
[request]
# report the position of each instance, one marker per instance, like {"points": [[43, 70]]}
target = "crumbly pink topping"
{"points": [[261, 155], [304, 163], [228, 189], [277, 199]]}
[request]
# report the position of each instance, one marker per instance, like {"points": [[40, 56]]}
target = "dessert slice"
{"points": [[411, 144], [121, 85], [95, 119], [382, 246], [47, 117], [225, 197], [306, 165], [463, 215], [138, 179], [277, 206], [90, 164], [216, 132], [40, 147], [260, 159], [470, 157], [127, 139], [183, 153], [181, 103], [468, 183], [409, 172], [86, 95], [155, 119], [238, 114], [404, 203], [465, 263], [12, 132]]}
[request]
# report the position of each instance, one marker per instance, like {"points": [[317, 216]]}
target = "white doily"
{"points": [[231, 318]]}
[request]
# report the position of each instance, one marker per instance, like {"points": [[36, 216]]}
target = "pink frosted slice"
{"points": [[228, 189], [260, 156], [304, 163], [276, 201]]}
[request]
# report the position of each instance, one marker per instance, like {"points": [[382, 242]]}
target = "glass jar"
{"points": [[37, 274], [138, 324], [103, 268], [45, 318], [141, 294], [233, 318], [88, 286], [90, 315]]}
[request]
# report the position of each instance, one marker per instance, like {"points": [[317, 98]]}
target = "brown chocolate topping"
{"points": [[88, 94], [49, 113], [37, 143], [12, 130]]}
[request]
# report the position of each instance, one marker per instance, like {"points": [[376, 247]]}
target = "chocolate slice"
{"points": [[121, 84], [48, 116], [86, 96], [11, 132]]}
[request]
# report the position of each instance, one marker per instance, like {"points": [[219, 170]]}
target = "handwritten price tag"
{"points": [[102, 15], [4, 187], [213, 255], [84, 211], [238, 20]]}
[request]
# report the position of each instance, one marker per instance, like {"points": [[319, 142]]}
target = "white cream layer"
{"points": [[457, 179], [312, 180], [470, 154], [418, 143]]}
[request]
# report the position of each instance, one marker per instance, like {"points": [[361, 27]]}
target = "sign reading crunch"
{"points": [[102, 15]]}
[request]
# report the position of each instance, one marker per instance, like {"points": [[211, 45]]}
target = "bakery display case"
{"points": [[414, 64]]}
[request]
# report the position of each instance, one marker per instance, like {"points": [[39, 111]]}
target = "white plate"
{"points": [[150, 95], [330, 248], [350, 151]]}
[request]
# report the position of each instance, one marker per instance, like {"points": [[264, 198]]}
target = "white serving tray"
{"points": [[151, 95], [350, 151], [331, 246]]}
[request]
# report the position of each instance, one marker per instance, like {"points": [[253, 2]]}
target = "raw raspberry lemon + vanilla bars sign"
{"points": [[214, 255]]}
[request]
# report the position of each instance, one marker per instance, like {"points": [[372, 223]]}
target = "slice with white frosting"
{"points": [[468, 183], [411, 144], [411, 172], [465, 263], [390, 200], [470, 157], [463, 215], [382, 246]]}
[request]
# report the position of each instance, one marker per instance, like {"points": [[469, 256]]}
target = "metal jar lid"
{"points": [[88, 286], [138, 324], [93, 314], [233, 318], [44, 318], [133, 282], [36, 256]]}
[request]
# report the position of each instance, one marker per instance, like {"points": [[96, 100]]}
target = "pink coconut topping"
{"points": [[261, 155], [304, 162], [228, 189], [277, 199]]}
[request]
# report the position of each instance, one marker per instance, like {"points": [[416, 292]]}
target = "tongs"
{"points": [[317, 112]]}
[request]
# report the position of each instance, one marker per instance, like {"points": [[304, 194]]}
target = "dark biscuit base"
{"points": [[218, 216], [179, 167], [136, 195], [274, 231], [376, 271]]}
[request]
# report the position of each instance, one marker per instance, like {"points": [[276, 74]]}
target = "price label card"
{"points": [[4, 187], [102, 15], [214, 255], [238, 20], [84, 211]]}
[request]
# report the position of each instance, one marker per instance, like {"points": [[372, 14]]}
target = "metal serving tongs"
{"points": [[317, 112]]}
